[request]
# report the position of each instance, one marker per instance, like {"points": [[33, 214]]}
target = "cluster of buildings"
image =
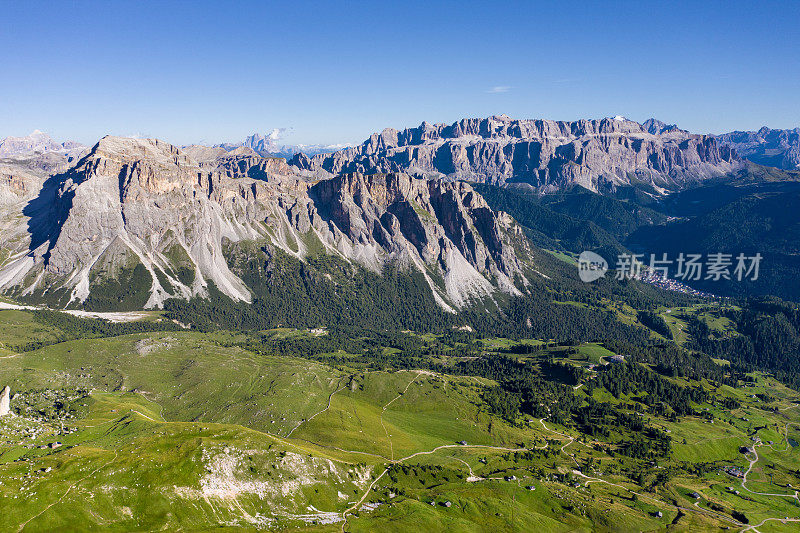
{"points": [[656, 279], [734, 471]]}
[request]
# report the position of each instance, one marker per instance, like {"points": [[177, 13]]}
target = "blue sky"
{"points": [[337, 71]]}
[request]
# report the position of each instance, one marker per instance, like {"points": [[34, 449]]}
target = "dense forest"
{"points": [[765, 222], [548, 228], [325, 291], [655, 322], [767, 338]]}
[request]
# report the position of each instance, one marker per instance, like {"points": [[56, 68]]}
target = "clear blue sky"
{"points": [[337, 71]]}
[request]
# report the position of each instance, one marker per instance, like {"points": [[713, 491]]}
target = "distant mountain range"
{"points": [[37, 141], [269, 145], [502, 150], [265, 145], [774, 148]]}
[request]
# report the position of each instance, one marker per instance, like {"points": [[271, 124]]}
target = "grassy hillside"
{"points": [[189, 375]]}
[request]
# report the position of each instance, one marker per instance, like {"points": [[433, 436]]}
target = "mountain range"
{"points": [[37, 141], [135, 223], [542, 154], [775, 148], [269, 145], [141, 213]]}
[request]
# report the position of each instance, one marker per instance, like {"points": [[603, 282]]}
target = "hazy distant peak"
{"points": [[36, 141], [268, 145], [657, 127], [775, 148]]}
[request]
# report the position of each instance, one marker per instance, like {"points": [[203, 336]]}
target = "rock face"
{"points": [[774, 148], [419, 222], [545, 154], [21, 180], [142, 213], [5, 401], [26, 162]]}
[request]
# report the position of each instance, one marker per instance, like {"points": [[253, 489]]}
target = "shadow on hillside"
{"points": [[47, 211]]}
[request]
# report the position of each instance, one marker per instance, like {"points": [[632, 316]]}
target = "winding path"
{"points": [[781, 520], [571, 440], [749, 468], [389, 437], [69, 489], [330, 397], [417, 454]]}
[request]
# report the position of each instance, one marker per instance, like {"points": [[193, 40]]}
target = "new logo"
{"points": [[591, 266]]}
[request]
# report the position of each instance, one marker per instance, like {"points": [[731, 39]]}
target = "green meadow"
{"points": [[181, 430]]}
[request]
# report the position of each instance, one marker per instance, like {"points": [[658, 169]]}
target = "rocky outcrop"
{"points": [[545, 154], [774, 148], [5, 401], [144, 213], [242, 163], [203, 154]]}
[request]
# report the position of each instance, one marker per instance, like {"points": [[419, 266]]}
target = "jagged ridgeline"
{"points": [[547, 155], [137, 223]]}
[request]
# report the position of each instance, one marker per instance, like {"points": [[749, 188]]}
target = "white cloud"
{"points": [[497, 89], [278, 133]]}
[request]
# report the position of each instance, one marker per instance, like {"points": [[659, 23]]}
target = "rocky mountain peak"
{"points": [[271, 145], [657, 127], [417, 221]]}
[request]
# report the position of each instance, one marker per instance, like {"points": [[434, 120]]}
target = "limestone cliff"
{"points": [[544, 154]]}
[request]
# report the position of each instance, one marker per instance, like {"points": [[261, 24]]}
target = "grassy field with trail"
{"points": [[193, 431]]}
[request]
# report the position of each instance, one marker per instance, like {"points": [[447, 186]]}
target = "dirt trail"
{"points": [[697, 508], [417, 454], [330, 397], [386, 431], [69, 489], [749, 468]]}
